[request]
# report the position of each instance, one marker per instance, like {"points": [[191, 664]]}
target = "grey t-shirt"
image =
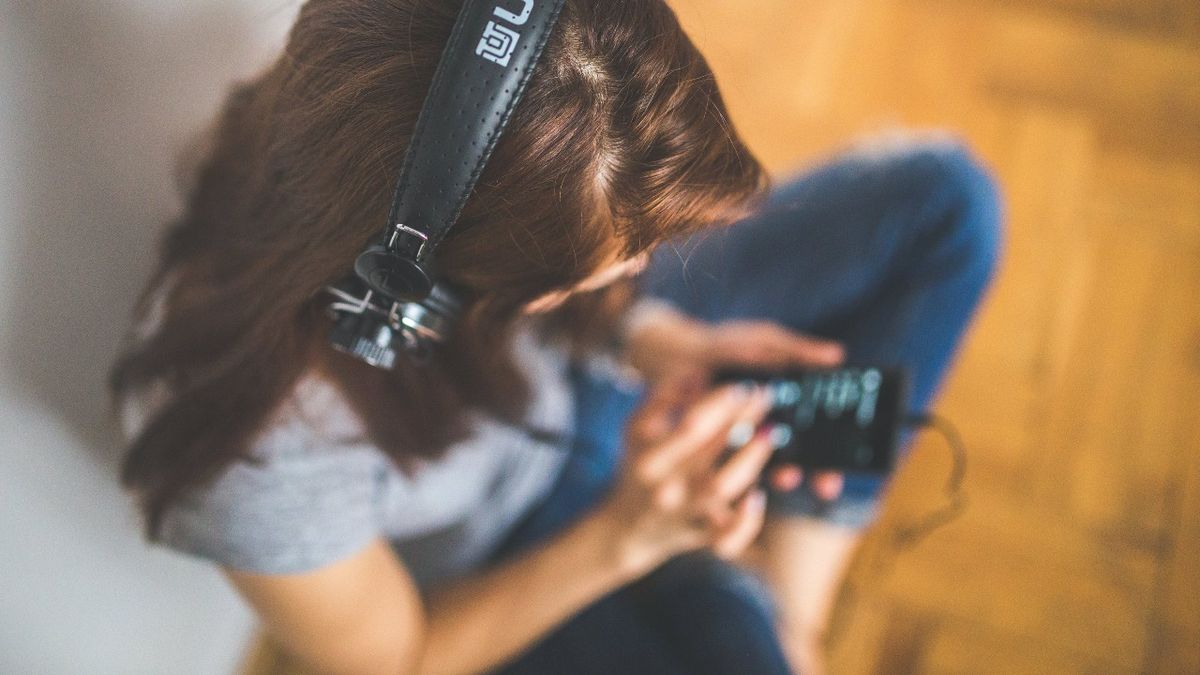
{"points": [[320, 493]]}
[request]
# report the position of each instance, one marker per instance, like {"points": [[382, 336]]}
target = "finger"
{"points": [[741, 531], [765, 348], [656, 417], [773, 347], [703, 422], [786, 478], [717, 450], [809, 350], [739, 474], [828, 485]]}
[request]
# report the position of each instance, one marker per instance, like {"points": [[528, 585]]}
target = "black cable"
{"points": [[905, 537], [908, 536]]}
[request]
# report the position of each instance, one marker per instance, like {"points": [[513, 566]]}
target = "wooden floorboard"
{"points": [[1077, 391]]}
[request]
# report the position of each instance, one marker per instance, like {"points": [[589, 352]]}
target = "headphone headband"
{"points": [[487, 63]]}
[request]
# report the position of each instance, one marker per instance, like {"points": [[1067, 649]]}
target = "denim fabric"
{"points": [[888, 249]]}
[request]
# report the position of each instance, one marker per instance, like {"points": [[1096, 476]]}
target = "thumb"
{"points": [[816, 351]]}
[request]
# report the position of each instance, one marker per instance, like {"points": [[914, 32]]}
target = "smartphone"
{"points": [[846, 420]]}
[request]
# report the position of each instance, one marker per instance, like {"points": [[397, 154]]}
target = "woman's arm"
{"points": [[480, 622], [660, 340], [365, 615], [362, 615]]}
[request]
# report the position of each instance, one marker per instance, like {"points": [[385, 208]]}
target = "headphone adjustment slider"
{"points": [[414, 236]]}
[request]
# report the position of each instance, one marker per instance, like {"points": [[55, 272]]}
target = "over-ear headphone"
{"points": [[395, 298]]}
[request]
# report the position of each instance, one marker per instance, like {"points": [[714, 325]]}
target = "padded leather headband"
{"points": [[488, 61]]}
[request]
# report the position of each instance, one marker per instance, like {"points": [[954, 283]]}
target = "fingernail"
{"points": [[780, 435], [741, 434]]}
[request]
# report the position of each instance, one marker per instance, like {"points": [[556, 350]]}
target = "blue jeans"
{"points": [[887, 250]]}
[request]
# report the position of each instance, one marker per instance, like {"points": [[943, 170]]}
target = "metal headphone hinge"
{"points": [[403, 230]]}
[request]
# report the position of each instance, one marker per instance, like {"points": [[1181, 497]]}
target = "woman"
{"points": [[466, 514]]}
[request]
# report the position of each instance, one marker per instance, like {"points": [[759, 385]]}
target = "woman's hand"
{"points": [[681, 487], [665, 343]]}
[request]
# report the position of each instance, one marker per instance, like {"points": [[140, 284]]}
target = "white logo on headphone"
{"points": [[499, 41]]}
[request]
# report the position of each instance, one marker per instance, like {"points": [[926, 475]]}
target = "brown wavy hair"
{"points": [[621, 142]]}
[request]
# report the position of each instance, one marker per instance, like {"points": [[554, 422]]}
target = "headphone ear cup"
{"points": [[430, 321], [392, 275], [444, 302]]}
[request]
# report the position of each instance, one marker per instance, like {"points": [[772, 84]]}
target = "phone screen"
{"points": [[846, 420]]}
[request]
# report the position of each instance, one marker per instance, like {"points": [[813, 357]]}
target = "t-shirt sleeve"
{"points": [[286, 514]]}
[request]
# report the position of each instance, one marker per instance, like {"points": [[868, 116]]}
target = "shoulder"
{"points": [[306, 496]]}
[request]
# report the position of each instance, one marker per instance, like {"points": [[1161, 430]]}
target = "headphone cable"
{"points": [[905, 537]]}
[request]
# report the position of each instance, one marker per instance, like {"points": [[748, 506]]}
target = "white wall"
{"points": [[96, 99]]}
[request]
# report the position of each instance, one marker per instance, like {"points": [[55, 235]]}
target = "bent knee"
{"points": [[949, 178], [977, 204]]}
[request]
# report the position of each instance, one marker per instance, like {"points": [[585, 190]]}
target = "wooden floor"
{"points": [[1077, 393]]}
